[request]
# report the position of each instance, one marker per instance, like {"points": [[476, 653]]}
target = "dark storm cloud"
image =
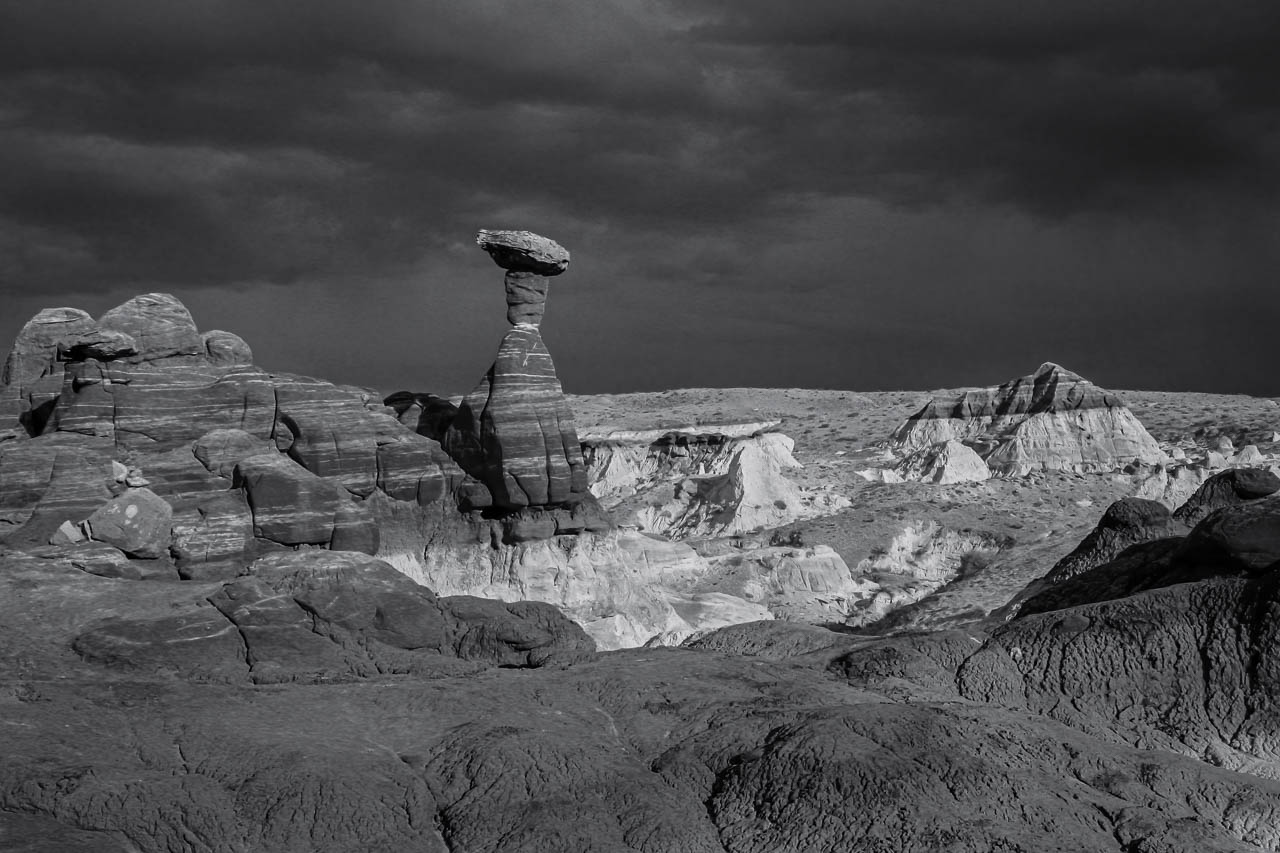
{"points": [[241, 141], [752, 151]]}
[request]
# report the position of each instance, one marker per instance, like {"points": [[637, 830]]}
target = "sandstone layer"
{"points": [[1052, 419]]}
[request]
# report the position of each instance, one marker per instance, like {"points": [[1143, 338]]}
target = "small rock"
{"points": [[119, 471], [66, 534]]}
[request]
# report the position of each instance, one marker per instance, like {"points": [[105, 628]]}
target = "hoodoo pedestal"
{"points": [[514, 432]]}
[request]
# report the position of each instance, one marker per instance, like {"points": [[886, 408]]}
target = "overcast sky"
{"points": [[859, 194]]}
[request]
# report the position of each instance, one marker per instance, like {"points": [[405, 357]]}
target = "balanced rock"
{"points": [[528, 260], [514, 432], [226, 348], [524, 251], [1052, 419]]}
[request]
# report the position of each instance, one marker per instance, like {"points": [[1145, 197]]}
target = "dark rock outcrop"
{"points": [[1127, 522], [1227, 488]]}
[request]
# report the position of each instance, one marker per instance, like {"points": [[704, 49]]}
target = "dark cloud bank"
{"points": [[867, 194]]}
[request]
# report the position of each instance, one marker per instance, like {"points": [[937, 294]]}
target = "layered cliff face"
{"points": [[233, 460], [1052, 419]]}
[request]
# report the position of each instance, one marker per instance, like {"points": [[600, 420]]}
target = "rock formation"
{"points": [[514, 432], [171, 446], [943, 464], [1050, 420], [701, 481]]}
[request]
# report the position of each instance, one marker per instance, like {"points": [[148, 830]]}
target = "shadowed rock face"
{"points": [[1052, 419]]}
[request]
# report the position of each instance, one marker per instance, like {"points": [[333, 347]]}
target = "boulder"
{"points": [[1227, 488], [158, 323], [138, 522], [225, 348], [1248, 455], [524, 251], [100, 344]]}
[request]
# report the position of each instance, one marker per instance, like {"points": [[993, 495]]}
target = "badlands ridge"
{"points": [[311, 618]]}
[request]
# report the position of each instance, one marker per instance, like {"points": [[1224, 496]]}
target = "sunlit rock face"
{"points": [[1052, 419], [944, 464], [700, 482]]}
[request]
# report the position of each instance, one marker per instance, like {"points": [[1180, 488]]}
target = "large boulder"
{"points": [[158, 324], [138, 522]]}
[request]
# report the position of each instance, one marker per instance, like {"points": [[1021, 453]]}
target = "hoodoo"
{"points": [[514, 432]]}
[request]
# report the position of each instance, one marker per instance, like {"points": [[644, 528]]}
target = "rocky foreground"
{"points": [[250, 611], [325, 705]]}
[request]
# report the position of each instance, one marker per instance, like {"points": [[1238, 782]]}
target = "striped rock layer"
{"points": [[514, 432], [1052, 419], [246, 461]]}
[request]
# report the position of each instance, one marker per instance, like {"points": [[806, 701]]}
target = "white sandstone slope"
{"points": [[1052, 419], [625, 589], [699, 484], [943, 464]]}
